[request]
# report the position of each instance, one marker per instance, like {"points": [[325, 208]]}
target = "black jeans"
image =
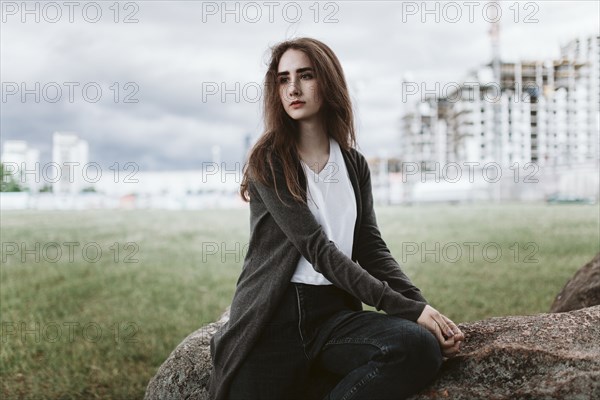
{"points": [[355, 354]]}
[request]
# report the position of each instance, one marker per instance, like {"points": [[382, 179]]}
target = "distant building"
{"points": [[70, 159], [578, 74], [22, 162], [546, 112]]}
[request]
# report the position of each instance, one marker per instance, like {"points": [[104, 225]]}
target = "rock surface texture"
{"points": [[583, 290], [543, 356], [185, 373]]}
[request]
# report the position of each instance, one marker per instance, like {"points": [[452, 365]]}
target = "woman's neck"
{"points": [[313, 141]]}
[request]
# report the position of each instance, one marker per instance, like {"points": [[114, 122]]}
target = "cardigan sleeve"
{"points": [[299, 225], [372, 252]]}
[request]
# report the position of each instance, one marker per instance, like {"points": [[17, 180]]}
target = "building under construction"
{"points": [[545, 112]]}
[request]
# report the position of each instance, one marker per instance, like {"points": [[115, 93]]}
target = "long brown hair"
{"points": [[281, 131]]}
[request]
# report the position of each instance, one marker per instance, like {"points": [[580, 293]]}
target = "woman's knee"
{"points": [[431, 343], [410, 359], [418, 348], [427, 355]]}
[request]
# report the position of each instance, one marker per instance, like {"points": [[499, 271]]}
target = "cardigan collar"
{"points": [[352, 168]]}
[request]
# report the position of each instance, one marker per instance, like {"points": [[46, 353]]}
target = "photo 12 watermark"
{"points": [[68, 332], [453, 12], [470, 171], [248, 92], [252, 12], [470, 252], [69, 172], [53, 12], [69, 252], [71, 92], [469, 92]]}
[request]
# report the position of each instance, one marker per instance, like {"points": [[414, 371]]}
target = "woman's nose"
{"points": [[293, 89]]}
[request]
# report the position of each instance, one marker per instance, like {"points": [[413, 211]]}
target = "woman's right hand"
{"points": [[446, 332]]}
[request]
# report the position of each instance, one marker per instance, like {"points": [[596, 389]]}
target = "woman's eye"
{"points": [[303, 76]]}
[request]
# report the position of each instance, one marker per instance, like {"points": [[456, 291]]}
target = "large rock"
{"points": [[544, 356], [583, 290], [185, 373]]}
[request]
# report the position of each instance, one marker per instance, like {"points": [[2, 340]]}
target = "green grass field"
{"points": [[97, 326]]}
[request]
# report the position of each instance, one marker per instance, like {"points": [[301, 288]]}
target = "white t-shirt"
{"points": [[330, 198]]}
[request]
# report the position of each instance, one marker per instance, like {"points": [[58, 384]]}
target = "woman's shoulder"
{"points": [[357, 153], [357, 158]]}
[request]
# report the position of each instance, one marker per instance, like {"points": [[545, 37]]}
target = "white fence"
{"points": [[85, 201], [464, 184]]}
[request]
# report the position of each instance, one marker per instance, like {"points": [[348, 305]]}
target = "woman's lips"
{"points": [[297, 104]]}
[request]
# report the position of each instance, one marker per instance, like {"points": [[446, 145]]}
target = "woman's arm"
{"points": [[300, 226], [374, 255], [372, 252]]}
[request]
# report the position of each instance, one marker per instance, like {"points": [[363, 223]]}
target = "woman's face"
{"points": [[298, 88]]}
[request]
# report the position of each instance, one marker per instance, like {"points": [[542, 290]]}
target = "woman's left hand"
{"points": [[446, 331], [451, 345]]}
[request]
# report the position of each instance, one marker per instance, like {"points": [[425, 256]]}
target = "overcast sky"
{"points": [[176, 51]]}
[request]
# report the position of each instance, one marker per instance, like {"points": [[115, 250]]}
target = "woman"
{"points": [[297, 329]]}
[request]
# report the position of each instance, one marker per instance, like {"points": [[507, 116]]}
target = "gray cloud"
{"points": [[171, 55]]}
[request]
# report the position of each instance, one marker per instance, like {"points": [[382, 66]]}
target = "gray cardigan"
{"points": [[279, 235]]}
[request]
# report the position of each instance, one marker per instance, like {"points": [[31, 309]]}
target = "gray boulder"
{"points": [[582, 290], [543, 356], [185, 373]]}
